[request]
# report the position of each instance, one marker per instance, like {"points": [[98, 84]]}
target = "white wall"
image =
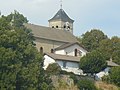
{"points": [[70, 66], [71, 50], [105, 72], [61, 52], [47, 60]]}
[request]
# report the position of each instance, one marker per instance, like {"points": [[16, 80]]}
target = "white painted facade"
{"points": [[71, 51], [47, 60], [68, 66]]}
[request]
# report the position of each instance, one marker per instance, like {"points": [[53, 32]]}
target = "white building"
{"points": [[71, 49], [58, 42], [67, 56]]}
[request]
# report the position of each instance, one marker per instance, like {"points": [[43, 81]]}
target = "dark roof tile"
{"points": [[61, 15], [51, 34]]}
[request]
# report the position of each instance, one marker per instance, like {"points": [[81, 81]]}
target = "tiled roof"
{"points": [[67, 45], [110, 63], [63, 57], [51, 34], [61, 15]]}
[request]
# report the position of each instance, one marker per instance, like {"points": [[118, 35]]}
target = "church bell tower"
{"points": [[61, 21]]}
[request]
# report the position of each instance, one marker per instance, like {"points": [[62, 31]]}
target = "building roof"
{"points": [[68, 45], [63, 57], [112, 64], [51, 34], [61, 15]]}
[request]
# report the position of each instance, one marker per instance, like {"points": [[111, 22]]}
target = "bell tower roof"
{"points": [[61, 15]]}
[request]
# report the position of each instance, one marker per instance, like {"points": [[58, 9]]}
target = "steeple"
{"points": [[61, 4], [61, 21]]}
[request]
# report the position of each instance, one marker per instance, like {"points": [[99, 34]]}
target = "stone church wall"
{"points": [[46, 44]]}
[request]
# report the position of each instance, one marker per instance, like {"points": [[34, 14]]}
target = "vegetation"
{"points": [[21, 64], [111, 48], [115, 75], [93, 62], [86, 84], [53, 69], [91, 39], [20, 67]]}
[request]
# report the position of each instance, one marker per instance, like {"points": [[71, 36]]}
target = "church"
{"points": [[58, 44]]}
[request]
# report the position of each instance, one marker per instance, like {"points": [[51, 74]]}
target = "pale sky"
{"points": [[88, 14]]}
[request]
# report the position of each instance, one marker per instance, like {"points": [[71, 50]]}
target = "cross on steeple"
{"points": [[61, 4]]}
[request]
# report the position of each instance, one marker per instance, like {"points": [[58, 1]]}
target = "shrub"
{"points": [[86, 84], [53, 68], [115, 75], [74, 78], [106, 79]]}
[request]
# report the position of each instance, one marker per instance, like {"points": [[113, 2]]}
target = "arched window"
{"points": [[52, 51], [75, 52], [41, 50], [64, 26], [56, 26], [68, 27]]}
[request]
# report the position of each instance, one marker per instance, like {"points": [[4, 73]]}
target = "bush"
{"points": [[93, 62], [115, 75], [65, 72], [53, 68], [86, 84], [106, 79], [74, 78]]}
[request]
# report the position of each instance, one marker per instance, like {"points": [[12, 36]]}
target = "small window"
{"points": [[52, 26], [41, 50], [68, 27], [52, 51], [56, 26], [64, 64], [75, 52]]}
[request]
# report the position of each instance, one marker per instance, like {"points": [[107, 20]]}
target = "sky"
{"points": [[88, 14]]}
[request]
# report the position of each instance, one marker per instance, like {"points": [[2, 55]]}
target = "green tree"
{"points": [[53, 68], [93, 62], [111, 49], [91, 39], [115, 75], [20, 62], [86, 84]]}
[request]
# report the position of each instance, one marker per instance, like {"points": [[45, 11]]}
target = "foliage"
{"points": [[91, 39], [86, 84], [93, 62], [111, 49], [53, 68], [20, 62], [66, 73], [115, 75], [106, 78], [74, 78]]}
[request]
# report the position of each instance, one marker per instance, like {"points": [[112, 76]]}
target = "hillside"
{"points": [[64, 82], [104, 86]]}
